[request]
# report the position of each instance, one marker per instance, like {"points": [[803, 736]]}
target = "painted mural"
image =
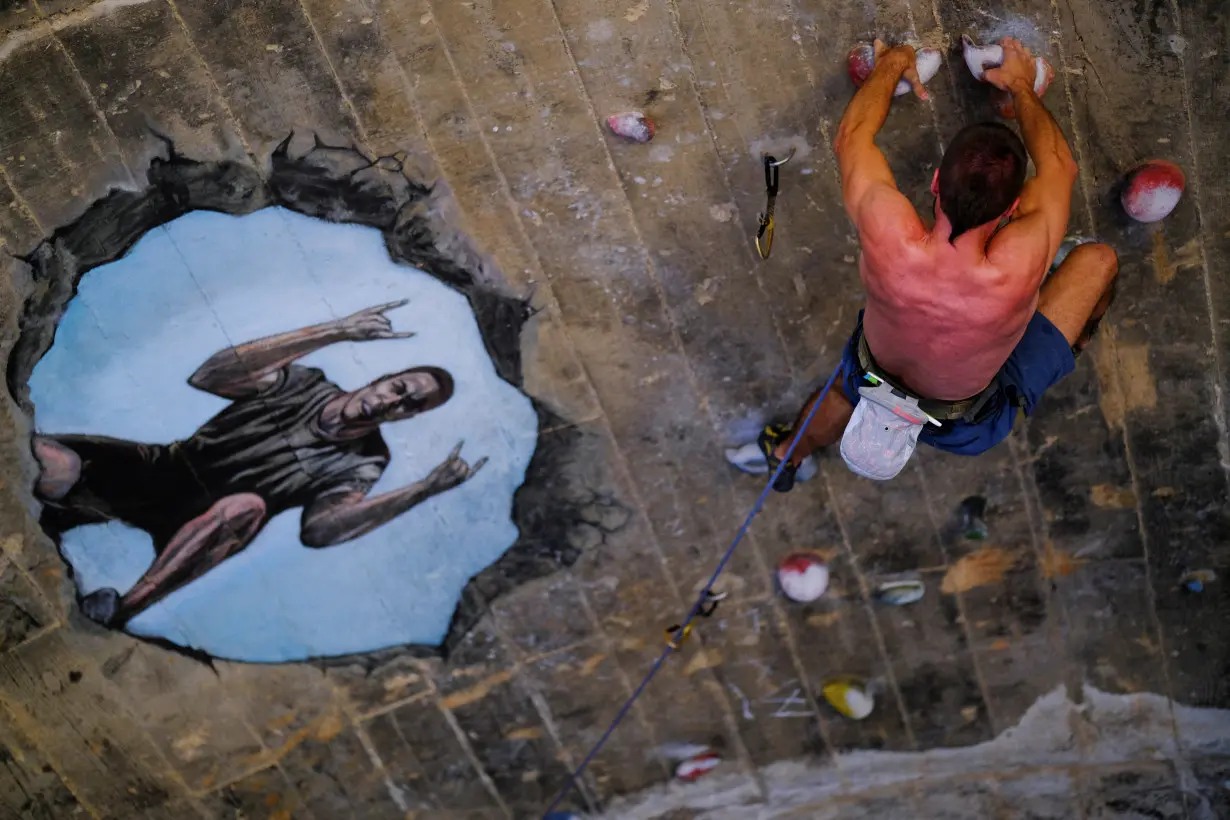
{"points": [[267, 436]]}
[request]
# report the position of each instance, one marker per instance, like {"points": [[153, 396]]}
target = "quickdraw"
{"points": [[764, 233], [677, 634]]}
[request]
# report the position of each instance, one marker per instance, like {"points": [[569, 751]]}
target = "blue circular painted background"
{"points": [[140, 326]]}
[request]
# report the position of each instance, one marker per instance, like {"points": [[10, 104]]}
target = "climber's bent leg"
{"points": [[826, 426], [1075, 297]]}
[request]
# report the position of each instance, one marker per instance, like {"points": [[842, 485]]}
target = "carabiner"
{"points": [[674, 641], [764, 232], [710, 604], [677, 634]]}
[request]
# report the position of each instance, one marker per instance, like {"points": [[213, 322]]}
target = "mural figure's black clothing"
{"points": [[268, 444]]}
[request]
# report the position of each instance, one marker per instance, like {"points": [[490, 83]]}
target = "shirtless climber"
{"points": [[289, 438], [959, 323]]}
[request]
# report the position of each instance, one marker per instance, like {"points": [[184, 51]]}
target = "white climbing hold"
{"points": [[928, 61], [861, 61], [981, 58]]}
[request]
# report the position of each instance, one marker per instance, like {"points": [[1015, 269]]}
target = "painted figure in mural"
{"points": [[970, 318], [290, 438]]}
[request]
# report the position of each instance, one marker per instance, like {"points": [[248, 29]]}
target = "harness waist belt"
{"points": [[940, 410]]}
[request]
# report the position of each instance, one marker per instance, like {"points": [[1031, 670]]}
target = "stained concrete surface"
{"points": [[1021, 773], [661, 341]]}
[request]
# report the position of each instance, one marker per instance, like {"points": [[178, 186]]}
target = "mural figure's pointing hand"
{"points": [[1018, 70], [453, 471], [371, 323]]}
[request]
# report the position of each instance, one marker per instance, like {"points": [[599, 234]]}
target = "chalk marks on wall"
{"points": [[266, 434]]}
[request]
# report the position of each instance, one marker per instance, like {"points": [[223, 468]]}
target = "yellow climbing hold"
{"points": [[849, 697]]}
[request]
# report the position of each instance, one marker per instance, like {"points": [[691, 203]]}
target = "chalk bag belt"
{"points": [[966, 409]]}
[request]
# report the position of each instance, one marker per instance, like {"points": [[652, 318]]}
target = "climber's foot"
{"points": [[772, 437], [101, 605]]}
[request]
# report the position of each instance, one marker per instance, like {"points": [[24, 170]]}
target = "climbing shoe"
{"points": [[770, 438], [1069, 243], [101, 606]]}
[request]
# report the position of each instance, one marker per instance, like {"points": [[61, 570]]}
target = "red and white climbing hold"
{"points": [[1153, 190], [632, 125], [697, 767], [860, 62], [802, 576]]}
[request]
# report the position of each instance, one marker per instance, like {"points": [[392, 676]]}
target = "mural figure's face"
{"points": [[393, 398]]}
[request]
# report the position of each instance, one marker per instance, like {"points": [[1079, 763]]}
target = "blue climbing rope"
{"points": [[682, 631]]}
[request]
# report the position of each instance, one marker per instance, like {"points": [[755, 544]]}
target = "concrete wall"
{"points": [[624, 298]]}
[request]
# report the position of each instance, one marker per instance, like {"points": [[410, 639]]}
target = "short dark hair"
{"points": [[981, 175], [445, 381]]}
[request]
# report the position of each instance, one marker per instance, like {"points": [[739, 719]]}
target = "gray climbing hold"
{"points": [[900, 593], [750, 460]]}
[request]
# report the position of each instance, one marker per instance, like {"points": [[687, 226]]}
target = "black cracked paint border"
{"points": [[336, 184]]}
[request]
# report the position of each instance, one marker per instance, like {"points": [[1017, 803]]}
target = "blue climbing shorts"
{"points": [[1040, 359]]}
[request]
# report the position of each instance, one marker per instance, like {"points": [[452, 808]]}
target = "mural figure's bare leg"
{"points": [[199, 546], [60, 469]]}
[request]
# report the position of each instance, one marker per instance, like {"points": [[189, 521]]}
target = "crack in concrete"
{"points": [[1218, 385], [1151, 598], [48, 26]]}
